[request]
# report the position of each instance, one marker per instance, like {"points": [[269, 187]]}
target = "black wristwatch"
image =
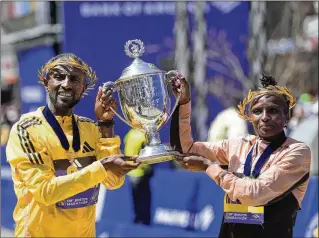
{"points": [[107, 123]]}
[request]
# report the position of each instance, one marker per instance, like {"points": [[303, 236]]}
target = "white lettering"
{"points": [[111, 9], [181, 218], [237, 216], [204, 218], [131, 9], [171, 217], [76, 201], [100, 9], [159, 8], [84, 10]]}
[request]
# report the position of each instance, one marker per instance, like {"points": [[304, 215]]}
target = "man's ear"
{"points": [[45, 83], [83, 90]]}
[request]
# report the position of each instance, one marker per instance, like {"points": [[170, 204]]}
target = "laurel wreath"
{"points": [[281, 90], [137, 52], [91, 76]]}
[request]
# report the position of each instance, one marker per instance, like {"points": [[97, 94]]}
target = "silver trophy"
{"points": [[145, 102]]}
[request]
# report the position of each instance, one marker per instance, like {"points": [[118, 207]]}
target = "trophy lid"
{"points": [[135, 49]]}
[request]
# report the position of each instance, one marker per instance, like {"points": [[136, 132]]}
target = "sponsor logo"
{"points": [[182, 218], [255, 216], [87, 148]]}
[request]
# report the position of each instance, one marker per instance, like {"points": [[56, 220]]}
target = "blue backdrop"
{"points": [[33, 94], [97, 32]]}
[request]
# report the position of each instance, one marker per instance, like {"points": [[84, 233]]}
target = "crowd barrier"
{"points": [[183, 204]]}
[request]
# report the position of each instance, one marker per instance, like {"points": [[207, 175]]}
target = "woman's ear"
{"points": [[286, 124], [288, 116]]}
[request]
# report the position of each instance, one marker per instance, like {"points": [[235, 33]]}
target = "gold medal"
{"points": [[71, 169]]}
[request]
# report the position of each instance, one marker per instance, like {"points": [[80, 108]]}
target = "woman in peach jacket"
{"points": [[265, 177]]}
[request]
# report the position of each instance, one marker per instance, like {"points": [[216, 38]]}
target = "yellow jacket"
{"points": [[46, 206], [134, 141]]}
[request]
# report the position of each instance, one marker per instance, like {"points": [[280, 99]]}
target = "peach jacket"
{"points": [[286, 165]]}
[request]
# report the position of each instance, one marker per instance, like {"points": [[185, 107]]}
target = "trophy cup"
{"points": [[145, 102]]}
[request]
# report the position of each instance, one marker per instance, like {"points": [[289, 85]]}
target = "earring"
{"points": [[286, 124]]}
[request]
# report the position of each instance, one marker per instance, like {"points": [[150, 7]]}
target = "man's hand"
{"points": [[180, 86], [103, 103], [120, 164], [194, 162]]}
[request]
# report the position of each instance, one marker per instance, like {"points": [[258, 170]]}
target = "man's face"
{"points": [[269, 116], [65, 85]]}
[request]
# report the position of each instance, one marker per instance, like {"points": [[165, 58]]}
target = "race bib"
{"points": [[83, 199], [234, 212]]}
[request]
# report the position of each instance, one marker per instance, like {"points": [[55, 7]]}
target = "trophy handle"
{"points": [[173, 73], [112, 85]]}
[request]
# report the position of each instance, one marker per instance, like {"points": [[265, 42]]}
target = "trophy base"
{"points": [[156, 154]]}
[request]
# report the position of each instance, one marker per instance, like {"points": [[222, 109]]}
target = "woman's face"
{"points": [[269, 115]]}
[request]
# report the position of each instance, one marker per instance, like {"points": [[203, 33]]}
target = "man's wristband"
{"points": [[107, 123]]}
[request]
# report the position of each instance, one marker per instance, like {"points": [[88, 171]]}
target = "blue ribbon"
{"points": [[263, 157], [48, 115], [260, 163]]}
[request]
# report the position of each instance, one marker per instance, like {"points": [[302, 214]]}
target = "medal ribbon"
{"points": [[263, 157], [48, 115]]}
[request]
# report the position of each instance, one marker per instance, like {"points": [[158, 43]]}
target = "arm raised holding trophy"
{"points": [[267, 173], [145, 102]]}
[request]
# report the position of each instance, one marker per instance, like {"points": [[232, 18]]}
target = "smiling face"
{"points": [[65, 85], [269, 115]]}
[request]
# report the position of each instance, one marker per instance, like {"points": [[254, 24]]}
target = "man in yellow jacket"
{"points": [[58, 159]]}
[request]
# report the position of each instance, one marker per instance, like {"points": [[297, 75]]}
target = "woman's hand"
{"points": [[180, 86], [194, 162]]}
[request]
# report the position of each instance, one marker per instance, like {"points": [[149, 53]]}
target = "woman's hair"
{"points": [[70, 60], [269, 87], [267, 81]]}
